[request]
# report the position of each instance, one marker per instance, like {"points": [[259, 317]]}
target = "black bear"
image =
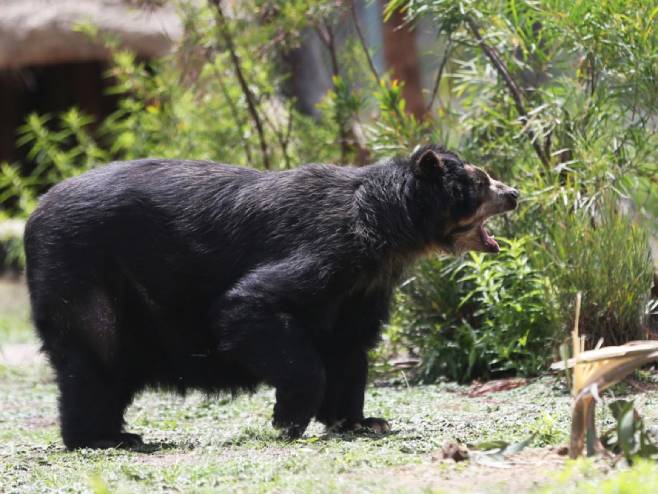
{"points": [[196, 275]]}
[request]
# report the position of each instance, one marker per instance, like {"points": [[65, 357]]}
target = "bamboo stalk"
{"points": [[593, 372]]}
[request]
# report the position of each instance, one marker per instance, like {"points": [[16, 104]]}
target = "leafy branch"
{"points": [[231, 104], [244, 86], [362, 42], [328, 38], [514, 89], [439, 75]]}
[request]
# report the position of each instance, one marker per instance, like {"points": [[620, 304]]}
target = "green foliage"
{"points": [[60, 148], [629, 437], [583, 477], [485, 316], [188, 104], [395, 131], [547, 431], [596, 250], [578, 136]]}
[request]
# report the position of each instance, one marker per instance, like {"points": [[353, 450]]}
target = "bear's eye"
{"points": [[483, 180]]}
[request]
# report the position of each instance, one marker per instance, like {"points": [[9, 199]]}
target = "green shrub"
{"points": [[483, 317], [559, 99], [601, 252]]}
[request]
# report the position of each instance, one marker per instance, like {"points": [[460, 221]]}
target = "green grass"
{"points": [[584, 477], [229, 446], [217, 444]]}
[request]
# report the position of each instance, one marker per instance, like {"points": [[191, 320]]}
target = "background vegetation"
{"points": [[556, 97]]}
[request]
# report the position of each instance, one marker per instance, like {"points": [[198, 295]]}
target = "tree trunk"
{"points": [[401, 57]]}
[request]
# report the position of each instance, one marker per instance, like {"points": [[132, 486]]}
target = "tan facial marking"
{"points": [[494, 199]]}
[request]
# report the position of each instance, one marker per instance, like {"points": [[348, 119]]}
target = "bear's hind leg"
{"points": [[80, 332], [92, 403]]}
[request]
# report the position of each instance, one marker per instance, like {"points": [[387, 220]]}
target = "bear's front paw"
{"points": [[370, 424]]}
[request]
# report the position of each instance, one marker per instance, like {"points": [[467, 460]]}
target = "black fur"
{"points": [[195, 275]]}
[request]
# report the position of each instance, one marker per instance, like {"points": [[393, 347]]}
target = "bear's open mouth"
{"points": [[488, 240]]}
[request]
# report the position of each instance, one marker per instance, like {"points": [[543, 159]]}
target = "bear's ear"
{"points": [[430, 164]]}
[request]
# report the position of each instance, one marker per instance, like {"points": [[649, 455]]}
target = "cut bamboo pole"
{"points": [[593, 372]]}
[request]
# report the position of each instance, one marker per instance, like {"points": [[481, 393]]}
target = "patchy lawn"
{"points": [[201, 444]]}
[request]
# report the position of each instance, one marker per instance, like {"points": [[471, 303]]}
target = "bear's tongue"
{"points": [[488, 241]]}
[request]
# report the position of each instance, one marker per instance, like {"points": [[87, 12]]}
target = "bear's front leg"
{"points": [[342, 407]]}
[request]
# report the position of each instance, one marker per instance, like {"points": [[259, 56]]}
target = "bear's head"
{"points": [[457, 199]]}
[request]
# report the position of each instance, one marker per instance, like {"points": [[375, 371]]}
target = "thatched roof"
{"points": [[36, 32]]}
